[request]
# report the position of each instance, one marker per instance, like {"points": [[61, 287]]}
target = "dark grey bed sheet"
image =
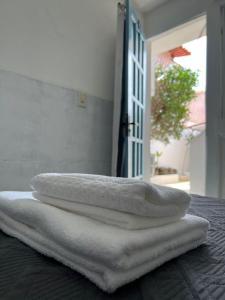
{"points": [[199, 274]]}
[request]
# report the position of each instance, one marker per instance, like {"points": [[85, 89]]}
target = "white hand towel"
{"points": [[122, 194], [107, 255], [108, 216]]}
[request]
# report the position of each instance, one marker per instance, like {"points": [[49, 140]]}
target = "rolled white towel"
{"points": [[107, 216], [122, 194], [107, 255]]}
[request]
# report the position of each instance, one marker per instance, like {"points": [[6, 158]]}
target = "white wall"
{"points": [[50, 50], [174, 155], [70, 43]]}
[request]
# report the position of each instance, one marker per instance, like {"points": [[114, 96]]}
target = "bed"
{"points": [[199, 274]]}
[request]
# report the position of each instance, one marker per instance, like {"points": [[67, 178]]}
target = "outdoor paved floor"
{"points": [[184, 186]]}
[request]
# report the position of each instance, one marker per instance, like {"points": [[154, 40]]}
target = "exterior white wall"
{"points": [[198, 164], [70, 43], [174, 155]]}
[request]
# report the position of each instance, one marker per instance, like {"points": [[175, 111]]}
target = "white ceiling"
{"points": [[146, 5]]}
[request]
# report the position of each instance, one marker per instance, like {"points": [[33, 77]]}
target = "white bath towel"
{"points": [[108, 216], [122, 194], [109, 256]]}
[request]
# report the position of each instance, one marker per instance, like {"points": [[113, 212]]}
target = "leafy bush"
{"points": [[169, 107]]}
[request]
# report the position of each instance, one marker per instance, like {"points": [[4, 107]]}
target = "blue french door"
{"points": [[136, 97], [131, 158]]}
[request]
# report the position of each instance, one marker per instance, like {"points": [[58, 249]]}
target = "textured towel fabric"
{"points": [[109, 256], [122, 194], [108, 216]]}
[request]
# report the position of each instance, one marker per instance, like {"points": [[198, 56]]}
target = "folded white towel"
{"points": [[108, 216], [107, 255], [122, 194]]}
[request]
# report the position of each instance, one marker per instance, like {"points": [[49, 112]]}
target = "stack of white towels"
{"points": [[112, 230]]}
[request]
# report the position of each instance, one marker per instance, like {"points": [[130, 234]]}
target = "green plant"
{"points": [[169, 106], [157, 156]]}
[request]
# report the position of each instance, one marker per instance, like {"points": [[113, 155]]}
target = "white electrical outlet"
{"points": [[82, 100]]}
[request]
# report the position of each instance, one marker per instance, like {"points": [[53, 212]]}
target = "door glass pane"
{"points": [[141, 159], [134, 38], [138, 121], [139, 46], [138, 84], [142, 88], [142, 54], [133, 159], [137, 160], [134, 118], [134, 78], [142, 123]]}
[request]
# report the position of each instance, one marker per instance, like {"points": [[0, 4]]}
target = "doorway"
{"points": [[178, 107]]}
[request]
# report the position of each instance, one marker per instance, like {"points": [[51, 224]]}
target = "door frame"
{"points": [[215, 128]]}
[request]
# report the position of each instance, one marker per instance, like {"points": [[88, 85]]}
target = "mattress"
{"points": [[199, 274]]}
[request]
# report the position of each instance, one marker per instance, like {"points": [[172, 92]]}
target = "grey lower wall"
{"points": [[43, 129]]}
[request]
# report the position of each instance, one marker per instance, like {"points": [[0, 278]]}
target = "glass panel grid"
{"points": [[137, 100]]}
